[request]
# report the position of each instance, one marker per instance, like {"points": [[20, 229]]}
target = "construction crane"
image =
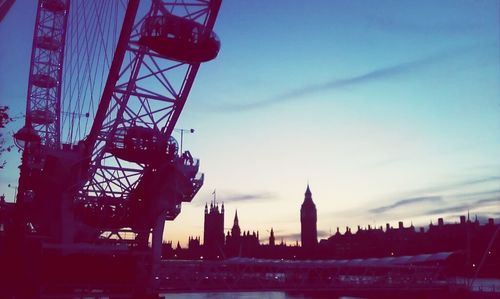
{"points": [[95, 204]]}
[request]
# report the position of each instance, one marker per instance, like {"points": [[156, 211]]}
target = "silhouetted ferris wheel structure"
{"points": [[108, 81]]}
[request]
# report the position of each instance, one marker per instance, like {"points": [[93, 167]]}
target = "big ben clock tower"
{"points": [[308, 231]]}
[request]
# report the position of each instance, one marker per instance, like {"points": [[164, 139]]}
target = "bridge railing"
{"points": [[227, 275]]}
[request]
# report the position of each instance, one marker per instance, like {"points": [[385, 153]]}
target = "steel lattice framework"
{"points": [[128, 172], [148, 91], [44, 86], [110, 193]]}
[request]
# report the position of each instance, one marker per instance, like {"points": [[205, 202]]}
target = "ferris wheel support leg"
{"points": [[157, 241], [67, 219]]}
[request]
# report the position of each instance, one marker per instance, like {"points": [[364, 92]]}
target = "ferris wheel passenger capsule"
{"points": [[48, 43], [179, 39], [54, 5], [141, 145], [44, 81], [44, 117]]}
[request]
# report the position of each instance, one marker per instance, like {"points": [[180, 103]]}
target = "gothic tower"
{"points": [[234, 238], [308, 232], [235, 230], [271, 237], [213, 231]]}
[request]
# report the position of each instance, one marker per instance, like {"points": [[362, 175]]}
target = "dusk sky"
{"points": [[389, 109]]}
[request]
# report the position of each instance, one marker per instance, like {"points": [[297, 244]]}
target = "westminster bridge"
{"points": [[419, 274]]}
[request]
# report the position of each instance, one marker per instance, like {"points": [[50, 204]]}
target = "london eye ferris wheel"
{"points": [[107, 83]]}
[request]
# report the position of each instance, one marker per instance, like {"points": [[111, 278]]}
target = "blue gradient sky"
{"points": [[390, 109]]}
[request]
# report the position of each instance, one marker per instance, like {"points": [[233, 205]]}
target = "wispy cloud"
{"points": [[248, 196], [396, 25], [416, 203], [429, 153], [383, 73], [230, 197], [462, 206], [474, 194], [458, 185], [288, 237], [447, 210], [406, 202], [488, 201]]}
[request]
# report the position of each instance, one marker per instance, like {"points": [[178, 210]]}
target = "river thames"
{"points": [[244, 295]]}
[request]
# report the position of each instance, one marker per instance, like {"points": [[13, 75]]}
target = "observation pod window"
{"points": [[54, 5], [44, 81], [179, 39], [142, 145], [42, 117], [48, 43]]}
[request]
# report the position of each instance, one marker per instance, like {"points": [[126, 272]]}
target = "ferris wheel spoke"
{"points": [[164, 79], [196, 14], [157, 72], [129, 183], [146, 94], [127, 69], [116, 180]]}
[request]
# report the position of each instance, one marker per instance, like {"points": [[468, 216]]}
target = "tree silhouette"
{"points": [[4, 120]]}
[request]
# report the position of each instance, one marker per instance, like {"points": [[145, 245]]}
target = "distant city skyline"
{"points": [[228, 221], [390, 110], [468, 240]]}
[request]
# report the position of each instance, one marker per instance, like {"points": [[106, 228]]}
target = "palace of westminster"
{"points": [[468, 237]]}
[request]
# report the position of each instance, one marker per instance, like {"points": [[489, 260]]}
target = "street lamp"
{"points": [[24, 136], [182, 134], [15, 190]]}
